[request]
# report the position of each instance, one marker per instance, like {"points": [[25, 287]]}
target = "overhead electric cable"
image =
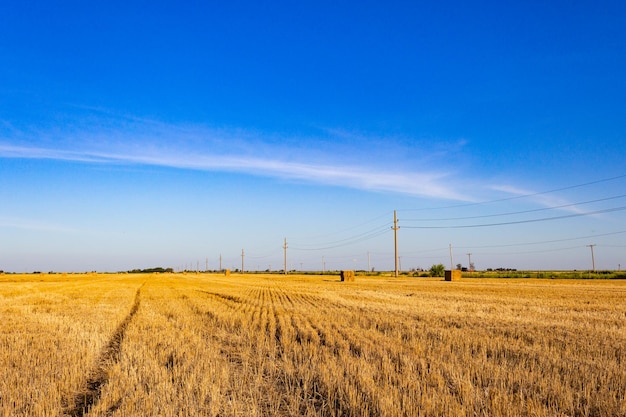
{"points": [[266, 255], [346, 242], [343, 230], [518, 212], [353, 237], [519, 221], [542, 242], [535, 251], [517, 197]]}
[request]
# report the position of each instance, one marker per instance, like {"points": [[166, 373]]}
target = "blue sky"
{"points": [[140, 134]]}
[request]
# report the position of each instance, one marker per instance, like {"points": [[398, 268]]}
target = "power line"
{"points": [[360, 238], [520, 221], [519, 212], [442, 250], [541, 242], [532, 251], [347, 241], [343, 230], [263, 255], [443, 254], [517, 197]]}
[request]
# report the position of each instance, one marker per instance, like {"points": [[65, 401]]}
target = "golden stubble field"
{"points": [[265, 345]]}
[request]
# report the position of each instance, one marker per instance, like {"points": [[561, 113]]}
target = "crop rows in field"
{"points": [[301, 348], [217, 346]]}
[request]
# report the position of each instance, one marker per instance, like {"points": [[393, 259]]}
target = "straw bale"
{"points": [[454, 275], [347, 276]]}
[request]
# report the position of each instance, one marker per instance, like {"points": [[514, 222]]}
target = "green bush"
{"points": [[437, 270]]}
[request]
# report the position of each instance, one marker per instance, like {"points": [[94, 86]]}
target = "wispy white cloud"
{"points": [[26, 152], [33, 225], [128, 140], [426, 184]]}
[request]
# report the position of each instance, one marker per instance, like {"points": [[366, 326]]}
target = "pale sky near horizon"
{"points": [[143, 134]]}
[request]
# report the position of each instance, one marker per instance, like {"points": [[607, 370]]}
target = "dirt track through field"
{"points": [[109, 356]]}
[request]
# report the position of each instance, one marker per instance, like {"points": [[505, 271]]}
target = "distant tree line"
{"points": [[150, 270]]}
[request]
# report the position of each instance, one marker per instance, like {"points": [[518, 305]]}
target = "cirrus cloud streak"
{"points": [[423, 184]]}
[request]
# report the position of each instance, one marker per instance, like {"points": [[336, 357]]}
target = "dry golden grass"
{"points": [[246, 345]]}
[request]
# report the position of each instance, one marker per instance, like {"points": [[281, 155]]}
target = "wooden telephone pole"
{"points": [[593, 261], [395, 240], [285, 248]]}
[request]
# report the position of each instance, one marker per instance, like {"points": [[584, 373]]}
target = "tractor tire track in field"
{"points": [[86, 399]]}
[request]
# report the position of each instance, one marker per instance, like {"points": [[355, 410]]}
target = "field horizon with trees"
{"points": [[436, 270], [174, 344]]}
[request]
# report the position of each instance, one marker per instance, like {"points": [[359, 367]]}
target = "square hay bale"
{"points": [[454, 275], [347, 276], [227, 272]]}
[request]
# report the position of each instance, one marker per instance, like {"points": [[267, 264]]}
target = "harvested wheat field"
{"points": [[265, 345]]}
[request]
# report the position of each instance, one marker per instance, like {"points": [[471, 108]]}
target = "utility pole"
{"points": [[323, 266], [242, 255], [285, 248], [206, 268], [469, 265], [593, 262], [221, 262], [369, 269], [395, 241], [451, 264]]}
